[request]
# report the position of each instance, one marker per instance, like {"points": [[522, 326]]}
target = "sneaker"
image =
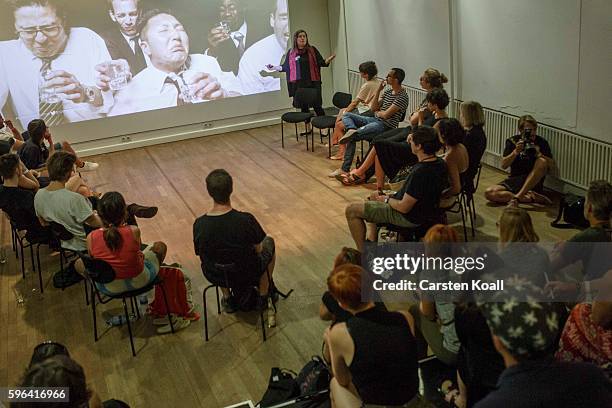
{"points": [[179, 325], [88, 166], [336, 173], [347, 136], [163, 321], [228, 306], [142, 211]]}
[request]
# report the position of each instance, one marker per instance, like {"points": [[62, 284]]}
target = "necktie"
{"points": [[176, 81], [240, 38], [137, 50], [51, 112]]}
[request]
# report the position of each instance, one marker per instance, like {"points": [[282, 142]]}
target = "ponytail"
{"points": [[112, 238]]}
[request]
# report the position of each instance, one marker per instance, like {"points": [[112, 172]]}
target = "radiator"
{"points": [[578, 159]]}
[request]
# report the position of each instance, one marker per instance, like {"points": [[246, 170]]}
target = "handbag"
{"points": [[571, 210]]}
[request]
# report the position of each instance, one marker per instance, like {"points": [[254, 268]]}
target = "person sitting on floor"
{"points": [[529, 157], [472, 118], [373, 354], [390, 151], [225, 235], [364, 102], [388, 112], [456, 158], [118, 244], [525, 334], [434, 315], [416, 203], [34, 152]]}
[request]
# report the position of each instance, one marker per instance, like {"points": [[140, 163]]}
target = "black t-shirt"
{"points": [[228, 238], [340, 314], [33, 156], [18, 203], [523, 163], [425, 182], [475, 142]]}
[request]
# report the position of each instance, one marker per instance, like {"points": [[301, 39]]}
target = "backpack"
{"points": [[67, 277], [571, 209], [313, 377], [178, 293], [281, 387], [245, 298]]}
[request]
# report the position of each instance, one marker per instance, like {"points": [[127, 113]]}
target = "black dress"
{"points": [[305, 81], [475, 142]]}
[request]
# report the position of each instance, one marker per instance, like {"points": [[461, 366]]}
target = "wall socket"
{"points": [[126, 139], [207, 125]]}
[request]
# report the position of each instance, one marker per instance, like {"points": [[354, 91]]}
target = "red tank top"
{"points": [[127, 261]]}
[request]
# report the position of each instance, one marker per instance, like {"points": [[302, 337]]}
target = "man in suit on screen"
{"points": [[123, 42], [174, 77]]}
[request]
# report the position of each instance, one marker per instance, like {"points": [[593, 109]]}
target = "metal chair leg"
{"points": [[129, 325], [22, 259], [40, 279], [93, 311], [161, 285], [462, 210], [329, 144], [282, 134], [218, 300], [263, 325], [297, 137]]}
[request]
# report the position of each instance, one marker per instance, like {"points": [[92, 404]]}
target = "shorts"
{"points": [[515, 183], [144, 278], [382, 213]]}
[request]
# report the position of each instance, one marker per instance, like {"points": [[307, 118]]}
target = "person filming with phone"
{"points": [[529, 157]]}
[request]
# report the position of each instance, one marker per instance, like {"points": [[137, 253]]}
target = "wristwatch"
{"points": [[90, 93]]}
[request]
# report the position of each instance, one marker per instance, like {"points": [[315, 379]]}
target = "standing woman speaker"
{"points": [[302, 64]]}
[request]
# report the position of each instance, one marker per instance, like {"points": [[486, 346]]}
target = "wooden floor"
{"points": [[294, 200]]}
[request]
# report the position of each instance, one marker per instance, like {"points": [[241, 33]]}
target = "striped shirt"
{"points": [[400, 100]]}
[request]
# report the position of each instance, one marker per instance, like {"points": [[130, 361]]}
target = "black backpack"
{"points": [[571, 210]]}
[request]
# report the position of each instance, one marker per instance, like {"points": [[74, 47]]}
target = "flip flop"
{"points": [[539, 198], [351, 180]]}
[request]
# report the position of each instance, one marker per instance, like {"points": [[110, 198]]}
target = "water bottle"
{"points": [[118, 320], [271, 314], [143, 299]]}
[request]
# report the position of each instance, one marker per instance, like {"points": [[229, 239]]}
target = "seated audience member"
{"points": [[417, 201], [373, 354], [224, 235], [529, 158], [118, 244], [34, 153], [18, 202], [24, 178], [434, 318], [388, 112], [472, 118], [251, 74], [430, 80], [174, 77], [9, 136], [456, 158], [56, 203], [530, 262], [390, 151], [597, 211], [364, 102], [329, 308], [478, 363], [587, 335], [525, 336]]}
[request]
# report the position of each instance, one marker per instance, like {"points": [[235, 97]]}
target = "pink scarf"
{"points": [[295, 73]]}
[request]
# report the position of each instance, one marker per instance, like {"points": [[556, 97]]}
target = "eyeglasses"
{"points": [[31, 32]]}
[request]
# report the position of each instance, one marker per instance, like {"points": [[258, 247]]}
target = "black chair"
{"points": [[101, 272], [469, 200], [304, 97], [459, 207], [340, 100], [27, 238], [232, 279]]}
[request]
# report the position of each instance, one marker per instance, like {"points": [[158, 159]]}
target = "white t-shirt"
{"points": [[256, 57], [68, 209]]}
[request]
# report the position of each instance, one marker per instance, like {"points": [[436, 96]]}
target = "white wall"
{"points": [[162, 126], [549, 58]]}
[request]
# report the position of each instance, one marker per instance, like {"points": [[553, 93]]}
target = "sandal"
{"points": [[336, 157], [538, 198], [351, 180], [451, 394]]}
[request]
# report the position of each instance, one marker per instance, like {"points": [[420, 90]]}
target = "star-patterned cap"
{"points": [[525, 327]]}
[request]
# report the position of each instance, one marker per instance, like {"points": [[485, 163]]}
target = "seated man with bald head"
{"points": [[175, 77]]}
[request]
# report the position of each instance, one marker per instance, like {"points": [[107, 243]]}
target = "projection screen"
{"points": [[72, 61]]}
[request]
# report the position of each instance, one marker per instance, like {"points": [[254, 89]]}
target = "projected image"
{"points": [[69, 61]]}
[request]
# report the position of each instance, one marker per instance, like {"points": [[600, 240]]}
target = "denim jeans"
{"points": [[367, 127]]}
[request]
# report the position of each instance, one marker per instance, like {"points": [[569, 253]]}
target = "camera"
{"points": [[528, 142]]}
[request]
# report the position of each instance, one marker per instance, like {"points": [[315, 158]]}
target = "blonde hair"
{"points": [[525, 119], [515, 226], [471, 114], [435, 78]]}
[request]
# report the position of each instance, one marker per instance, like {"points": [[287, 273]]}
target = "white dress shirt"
{"points": [[149, 91], [242, 30], [256, 57], [20, 73]]}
